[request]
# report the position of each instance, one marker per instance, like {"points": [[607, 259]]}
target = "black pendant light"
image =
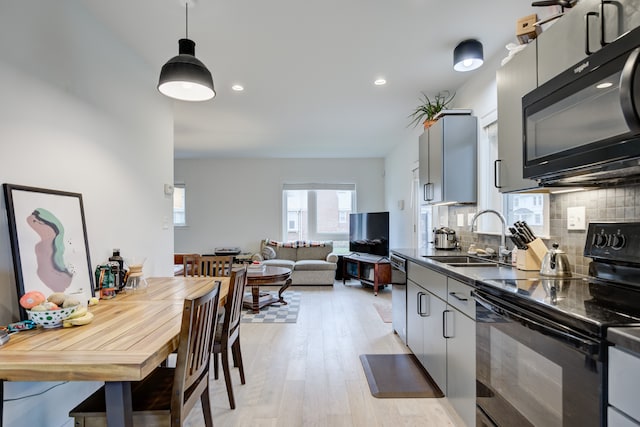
{"points": [[468, 55], [185, 77]]}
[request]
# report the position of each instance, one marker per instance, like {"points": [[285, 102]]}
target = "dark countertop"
{"points": [[627, 338], [469, 275]]}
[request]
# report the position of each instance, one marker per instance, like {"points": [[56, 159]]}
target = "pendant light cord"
{"points": [[186, 20]]}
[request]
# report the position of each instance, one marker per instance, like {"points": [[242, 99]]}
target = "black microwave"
{"points": [[582, 126]]}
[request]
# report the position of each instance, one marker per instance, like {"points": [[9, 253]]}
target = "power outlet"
{"points": [[576, 218]]}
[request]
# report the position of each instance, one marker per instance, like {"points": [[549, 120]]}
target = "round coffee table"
{"points": [[268, 276]]}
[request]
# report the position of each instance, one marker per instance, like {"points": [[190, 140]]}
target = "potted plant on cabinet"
{"points": [[425, 112]]}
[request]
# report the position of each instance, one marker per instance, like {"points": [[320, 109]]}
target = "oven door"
{"points": [[586, 119], [533, 372]]}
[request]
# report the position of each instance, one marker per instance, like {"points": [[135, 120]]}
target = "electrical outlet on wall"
{"points": [[460, 220], [576, 218]]}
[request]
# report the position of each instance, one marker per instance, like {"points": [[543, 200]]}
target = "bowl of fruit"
{"points": [[50, 312]]}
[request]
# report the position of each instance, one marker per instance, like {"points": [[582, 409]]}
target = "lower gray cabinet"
{"points": [[442, 335], [435, 343], [415, 322], [461, 365], [425, 332]]}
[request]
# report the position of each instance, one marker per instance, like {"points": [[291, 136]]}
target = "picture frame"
{"points": [[49, 242]]}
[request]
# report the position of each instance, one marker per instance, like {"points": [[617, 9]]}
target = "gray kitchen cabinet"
{"points": [[435, 342], [425, 335], [461, 351], [564, 43], [441, 332], [415, 321], [448, 153], [624, 380], [515, 79]]}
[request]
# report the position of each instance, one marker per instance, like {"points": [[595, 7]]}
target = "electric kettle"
{"points": [[555, 263]]}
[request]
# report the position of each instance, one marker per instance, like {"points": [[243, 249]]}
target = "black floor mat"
{"points": [[397, 375]]}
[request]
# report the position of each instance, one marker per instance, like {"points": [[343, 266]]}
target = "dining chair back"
{"points": [[167, 395], [228, 334], [190, 263], [215, 265]]}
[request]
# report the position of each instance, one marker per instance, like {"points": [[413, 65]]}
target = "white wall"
{"points": [[237, 202], [79, 112], [398, 165]]}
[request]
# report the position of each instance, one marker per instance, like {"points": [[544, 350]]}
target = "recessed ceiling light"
{"points": [[380, 82], [237, 88], [604, 85]]}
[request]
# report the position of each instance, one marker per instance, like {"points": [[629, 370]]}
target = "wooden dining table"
{"points": [[128, 338]]}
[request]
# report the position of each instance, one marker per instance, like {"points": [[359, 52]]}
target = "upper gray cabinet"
{"points": [[582, 31], [515, 79], [448, 160]]}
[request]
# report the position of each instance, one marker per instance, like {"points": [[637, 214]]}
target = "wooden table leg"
{"points": [[255, 298], [118, 400], [281, 290]]}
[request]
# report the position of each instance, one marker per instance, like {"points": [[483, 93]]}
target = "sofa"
{"points": [[311, 263]]}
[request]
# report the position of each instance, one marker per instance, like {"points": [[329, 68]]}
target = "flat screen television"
{"points": [[369, 233]]}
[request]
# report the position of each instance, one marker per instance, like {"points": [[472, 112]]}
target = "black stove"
{"points": [[608, 296]]}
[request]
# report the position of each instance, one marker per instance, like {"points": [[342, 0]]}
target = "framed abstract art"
{"points": [[49, 242]]}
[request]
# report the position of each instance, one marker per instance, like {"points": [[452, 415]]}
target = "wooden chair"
{"points": [[167, 395], [215, 265], [190, 265], [228, 333]]}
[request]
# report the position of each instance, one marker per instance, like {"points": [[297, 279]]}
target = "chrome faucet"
{"points": [[502, 250]]}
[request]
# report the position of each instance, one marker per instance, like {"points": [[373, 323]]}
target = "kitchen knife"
{"points": [[521, 233], [518, 242], [517, 239], [528, 237], [529, 230]]}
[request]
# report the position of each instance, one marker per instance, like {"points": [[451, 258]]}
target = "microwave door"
{"points": [[584, 125]]}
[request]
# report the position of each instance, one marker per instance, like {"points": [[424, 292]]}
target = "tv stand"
{"points": [[372, 270]]}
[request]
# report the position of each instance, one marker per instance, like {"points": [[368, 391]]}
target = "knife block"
{"points": [[531, 259]]}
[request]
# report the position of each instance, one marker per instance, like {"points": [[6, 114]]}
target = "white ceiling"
{"points": [[308, 67]]}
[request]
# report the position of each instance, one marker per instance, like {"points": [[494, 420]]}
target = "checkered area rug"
{"points": [[276, 312]]}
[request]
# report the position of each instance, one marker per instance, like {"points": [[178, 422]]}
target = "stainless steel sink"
{"points": [[463, 261]]}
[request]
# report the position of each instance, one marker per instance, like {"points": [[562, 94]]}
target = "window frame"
{"points": [[312, 206], [176, 188]]}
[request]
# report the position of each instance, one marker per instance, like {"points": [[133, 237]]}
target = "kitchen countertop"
{"points": [[469, 275], [627, 338]]}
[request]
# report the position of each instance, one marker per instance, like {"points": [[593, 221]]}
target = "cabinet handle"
{"points": [[426, 187], [424, 192], [445, 325], [455, 295], [603, 32], [423, 309], [587, 15], [496, 174]]}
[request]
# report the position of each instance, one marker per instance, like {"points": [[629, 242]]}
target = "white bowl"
{"points": [[51, 318]]}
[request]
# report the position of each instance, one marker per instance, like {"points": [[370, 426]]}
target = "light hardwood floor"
{"points": [[309, 373]]}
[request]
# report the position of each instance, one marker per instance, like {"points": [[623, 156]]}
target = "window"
{"points": [[179, 205], [530, 207], [533, 208], [319, 212]]}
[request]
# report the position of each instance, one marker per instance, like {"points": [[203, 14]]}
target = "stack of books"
{"points": [[256, 267]]}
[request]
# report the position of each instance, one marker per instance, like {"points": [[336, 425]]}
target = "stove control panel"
{"points": [[619, 241]]}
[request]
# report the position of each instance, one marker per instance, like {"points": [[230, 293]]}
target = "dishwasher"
{"points": [[399, 295]]}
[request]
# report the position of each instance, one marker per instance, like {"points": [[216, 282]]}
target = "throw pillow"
{"points": [[268, 252]]}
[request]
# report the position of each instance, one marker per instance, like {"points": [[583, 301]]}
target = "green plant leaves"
{"points": [[428, 108]]}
